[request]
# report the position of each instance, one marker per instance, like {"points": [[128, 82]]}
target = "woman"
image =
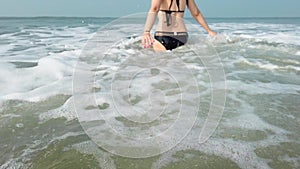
{"points": [[170, 31]]}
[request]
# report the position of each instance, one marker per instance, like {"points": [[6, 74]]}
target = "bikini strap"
{"points": [[168, 12], [177, 3]]}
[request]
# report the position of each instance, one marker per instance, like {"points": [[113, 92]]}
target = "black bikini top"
{"points": [[169, 12]]}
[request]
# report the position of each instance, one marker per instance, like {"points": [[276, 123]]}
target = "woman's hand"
{"points": [[147, 40], [212, 33]]}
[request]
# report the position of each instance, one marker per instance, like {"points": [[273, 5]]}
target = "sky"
{"points": [[117, 8]]}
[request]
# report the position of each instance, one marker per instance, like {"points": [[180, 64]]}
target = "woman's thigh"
{"points": [[157, 46]]}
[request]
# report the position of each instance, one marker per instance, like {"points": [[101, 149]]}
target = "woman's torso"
{"points": [[170, 18]]}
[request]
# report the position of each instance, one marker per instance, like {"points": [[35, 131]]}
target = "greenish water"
{"points": [[39, 127]]}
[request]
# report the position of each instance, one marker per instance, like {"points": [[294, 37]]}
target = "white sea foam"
{"points": [[35, 83], [262, 88], [269, 66], [105, 160], [279, 33], [250, 121], [66, 110]]}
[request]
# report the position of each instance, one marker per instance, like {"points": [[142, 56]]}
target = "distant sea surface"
{"points": [[40, 129]]}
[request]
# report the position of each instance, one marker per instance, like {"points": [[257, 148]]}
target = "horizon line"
{"points": [[208, 17]]}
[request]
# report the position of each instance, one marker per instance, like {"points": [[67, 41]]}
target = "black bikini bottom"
{"points": [[171, 40]]}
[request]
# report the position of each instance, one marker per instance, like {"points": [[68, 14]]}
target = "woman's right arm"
{"points": [[199, 17], [147, 40]]}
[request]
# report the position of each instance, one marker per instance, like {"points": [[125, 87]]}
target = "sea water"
{"points": [[41, 127]]}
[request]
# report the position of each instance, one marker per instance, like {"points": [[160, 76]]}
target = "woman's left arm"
{"points": [[199, 17], [147, 40]]}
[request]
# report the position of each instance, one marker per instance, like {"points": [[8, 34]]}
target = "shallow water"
{"points": [[42, 78]]}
